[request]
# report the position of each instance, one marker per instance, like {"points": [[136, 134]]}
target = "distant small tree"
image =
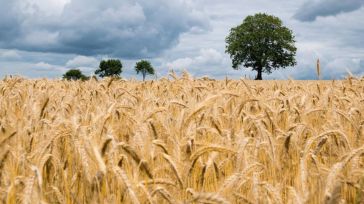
{"points": [[74, 74], [261, 43], [109, 68], [144, 67]]}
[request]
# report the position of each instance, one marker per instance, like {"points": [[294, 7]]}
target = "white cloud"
{"points": [[82, 61], [9, 55], [209, 56], [209, 62], [48, 7], [341, 66], [182, 63], [46, 67], [206, 57]]}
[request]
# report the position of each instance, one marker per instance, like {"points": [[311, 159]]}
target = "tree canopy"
{"points": [[144, 67], [74, 74], [109, 68], [261, 43]]}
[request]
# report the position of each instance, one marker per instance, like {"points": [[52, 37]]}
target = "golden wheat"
{"points": [[181, 140]]}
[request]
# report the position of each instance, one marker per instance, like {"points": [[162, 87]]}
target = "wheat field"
{"points": [[181, 140]]}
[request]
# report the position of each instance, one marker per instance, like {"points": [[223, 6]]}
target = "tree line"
{"points": [[111, 68], [261, 43]]}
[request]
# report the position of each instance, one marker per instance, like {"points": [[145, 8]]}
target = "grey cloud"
{"points": [[128, 28], [312, 9], [8, 21], [9, 55]]}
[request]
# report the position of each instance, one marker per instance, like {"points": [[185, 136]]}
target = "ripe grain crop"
{"points": [[181, 140]]}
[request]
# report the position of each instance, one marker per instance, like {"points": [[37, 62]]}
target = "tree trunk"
{"points": [[144, 76], [259, 75]]}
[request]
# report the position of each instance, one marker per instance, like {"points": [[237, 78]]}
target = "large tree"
{"points": [[144, 67], [74, 74], [109, 68], [261, 43]]}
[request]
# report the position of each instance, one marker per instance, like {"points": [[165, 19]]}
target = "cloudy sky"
{"points": [[45, 38]]}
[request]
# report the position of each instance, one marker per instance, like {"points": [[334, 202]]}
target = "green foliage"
{"points": [[144, 67], [261, 43], [109, 68], [74, 74]]}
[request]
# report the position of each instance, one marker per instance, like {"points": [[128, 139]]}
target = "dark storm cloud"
{"points": [[128, 28], [312, 9], [8, 21]]}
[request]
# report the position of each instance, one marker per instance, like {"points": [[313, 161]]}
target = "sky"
{"points": [[45, 38]]}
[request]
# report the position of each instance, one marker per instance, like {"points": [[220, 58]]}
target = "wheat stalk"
{"points": [[318, 71]]}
